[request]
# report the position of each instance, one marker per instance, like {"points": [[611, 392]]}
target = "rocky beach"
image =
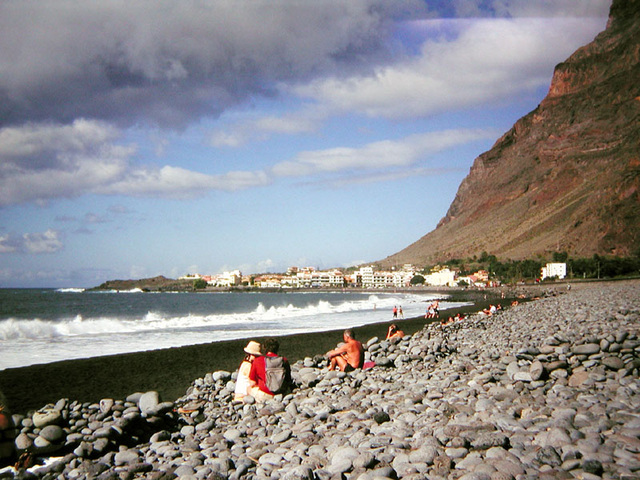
{"points": [[545, 389]]}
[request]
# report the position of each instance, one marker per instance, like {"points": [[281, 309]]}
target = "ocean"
{"points": [[47, 325]]}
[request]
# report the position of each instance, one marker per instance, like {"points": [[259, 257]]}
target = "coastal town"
{"points": [[364, 277]]}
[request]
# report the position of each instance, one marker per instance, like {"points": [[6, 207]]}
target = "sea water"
{"points": [[48, 325]]}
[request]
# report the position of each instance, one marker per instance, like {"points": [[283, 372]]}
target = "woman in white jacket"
{"points": [[252, 350]]}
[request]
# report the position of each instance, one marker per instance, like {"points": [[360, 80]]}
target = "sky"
{"points": [[152, 137]]}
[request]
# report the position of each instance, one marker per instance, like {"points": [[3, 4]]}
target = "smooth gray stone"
{"points": [[522, 377], [125, 457], [536, 370], [548, 456], [282, 436], [232, 435], [184, 471], [100, 445], [425, 454], [104, 432], [586, 349], [106, 404], [301, 472], [53, 433], [512, 369], [556, 364], [43, 446], [274, 459], [205, 426], [46, 416], [221, 376], [365, 460], [348, 454], [23, 442], [614, 363], [134, 397], [148, 402], [456, 452], [84, 450], [485, 441]]}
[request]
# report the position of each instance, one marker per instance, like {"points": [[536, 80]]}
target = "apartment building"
{"points": [[558, 270], [442, 277]]}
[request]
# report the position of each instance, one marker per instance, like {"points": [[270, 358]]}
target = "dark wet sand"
{"points": [[168, 371]]}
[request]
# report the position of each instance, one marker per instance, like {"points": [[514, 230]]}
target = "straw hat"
{"points": [[253, 348]]}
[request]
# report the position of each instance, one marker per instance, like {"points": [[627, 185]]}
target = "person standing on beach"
{"points": [[395, 312], [252, 350], [348, 356], [258, 375]]}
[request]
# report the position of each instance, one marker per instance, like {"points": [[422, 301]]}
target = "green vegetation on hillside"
{"points": [[511, 271]]}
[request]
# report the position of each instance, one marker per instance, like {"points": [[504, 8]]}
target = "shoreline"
{"points": [[171, 371]]}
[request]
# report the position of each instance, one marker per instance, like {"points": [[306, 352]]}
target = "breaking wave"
{"points": [[317, 314]]}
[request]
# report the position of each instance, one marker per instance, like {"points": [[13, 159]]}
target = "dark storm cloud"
{"points": [[172, 62]]}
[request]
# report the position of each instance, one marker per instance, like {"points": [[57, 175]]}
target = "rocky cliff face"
{"points": [[566, 177]]}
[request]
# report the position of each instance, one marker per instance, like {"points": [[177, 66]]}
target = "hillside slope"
{"points": [[565, 177]]}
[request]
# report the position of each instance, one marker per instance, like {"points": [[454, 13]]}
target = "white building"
{"points": [[558, 270], [382, 279], [268, 281], [409, 267], [366, 273], [290, 282], [402, 278], [336, 278], [442, 277], [227, 279], [305, 278]]}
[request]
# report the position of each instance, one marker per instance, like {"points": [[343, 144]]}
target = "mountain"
{"points": [[566, 177]]}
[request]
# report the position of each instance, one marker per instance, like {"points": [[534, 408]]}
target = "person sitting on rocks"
{"points": [[433, 310], [252, 350], [270, 374], [492, 310], [394, 332], [349, 355]]}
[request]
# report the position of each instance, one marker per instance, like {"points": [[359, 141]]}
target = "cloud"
{"points": [[41, 162], [462, 63], [32, 243], [177, 182], [91, 218], [171, 63], [456, 64], [307, 120], [376, 156], [539, 8], [382, 176]]}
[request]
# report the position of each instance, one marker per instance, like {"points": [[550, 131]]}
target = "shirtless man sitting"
{"points": [[349, 355], [394, 332]]}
